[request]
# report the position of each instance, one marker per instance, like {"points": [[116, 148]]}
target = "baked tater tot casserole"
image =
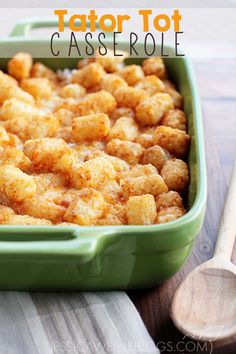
{"points": [[102, 144]]}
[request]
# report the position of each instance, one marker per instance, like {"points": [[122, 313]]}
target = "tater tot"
{"points": [[56, 195], [156, 156], [169, 214], [9, 217], [150, 184], [40, 207], [125, 128], [50, 154], [132, 74], [151, 84], [4, 137], [141, 210], [15, 125], [138, 171], [169, 199], [7, 80], [61, 196], [146, 140], [16, 108], [111, 82], [175, 118], [174, 140], [87, 208], [15, 141], [7, 92], [109, 62], [114, 215], [12, 156], [176, 175], [129, 96], [65, 133], [86, 150], [64, 116], [34, 127], [20, 66], [72, 91], [150, 111], [27, 220], [118, 164], [126, 150], [176, 97], [89, 76], [5, 214], [53, 104], [148, 130], [45, 181], [93, 173], [99, 102], [90, 127], [154, 66], [15, 184], [41, 70], [38, 87], [110, 65], [64, 164], [111, 191], [34, 148], [122, 112]]}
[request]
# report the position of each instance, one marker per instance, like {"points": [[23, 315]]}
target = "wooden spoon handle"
{"points": [[227, 231]]}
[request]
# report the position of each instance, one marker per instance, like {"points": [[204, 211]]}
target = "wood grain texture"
{"points": [[216, 79], [204, 305], [227, 230]]}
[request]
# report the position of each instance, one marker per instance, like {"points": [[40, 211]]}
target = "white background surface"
{"points": [[117, 3]]}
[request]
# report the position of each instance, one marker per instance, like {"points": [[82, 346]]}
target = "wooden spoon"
{"points": [[204, 305]]}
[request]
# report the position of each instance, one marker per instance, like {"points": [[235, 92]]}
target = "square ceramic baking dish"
{"points": [[105, 257]]}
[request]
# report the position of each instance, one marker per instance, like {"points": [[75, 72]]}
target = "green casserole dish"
{"points": [[105, 257]]}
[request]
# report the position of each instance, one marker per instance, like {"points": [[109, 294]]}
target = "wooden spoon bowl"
{"points": [[204, 305]]}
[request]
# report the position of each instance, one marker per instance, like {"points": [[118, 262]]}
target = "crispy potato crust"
{"points": [[101, 144]]}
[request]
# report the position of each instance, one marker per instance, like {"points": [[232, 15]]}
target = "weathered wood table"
{"points": [[217, 87]]}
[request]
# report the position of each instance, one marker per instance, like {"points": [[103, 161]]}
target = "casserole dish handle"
{"points": [[80, 243], [23, 27]]}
